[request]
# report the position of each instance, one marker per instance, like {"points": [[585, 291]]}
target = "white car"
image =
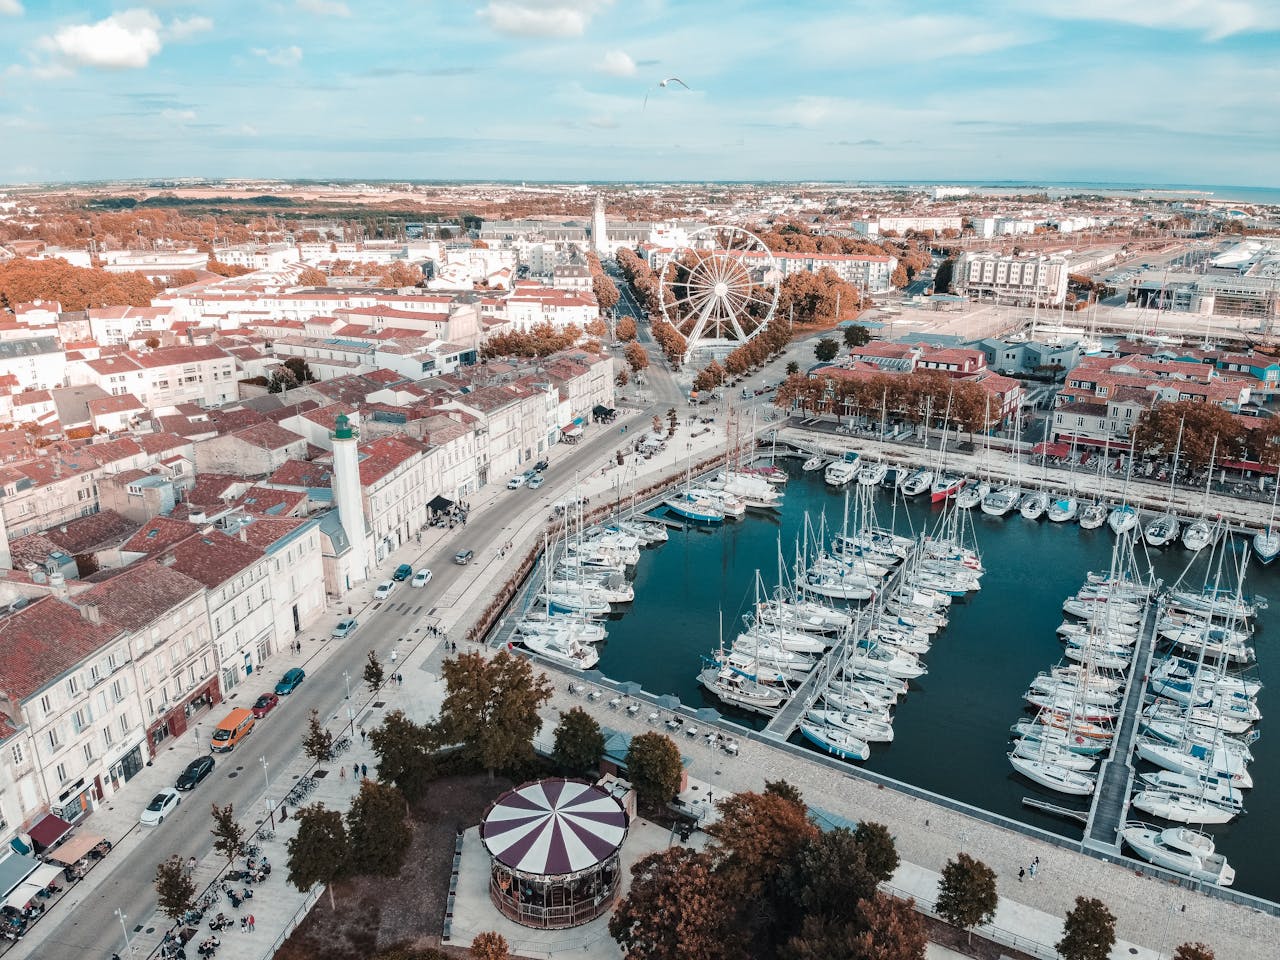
{"points": [[384, 589], [161, 805], [516, 482], [421, 578]]}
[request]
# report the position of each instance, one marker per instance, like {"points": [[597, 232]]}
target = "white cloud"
{"points": [[617, 63], [178, 116], [183, 29], [1215, 18], [325, 8], [247, 130], [542, 18], [122, 41], [280, 56], [11, 8]]}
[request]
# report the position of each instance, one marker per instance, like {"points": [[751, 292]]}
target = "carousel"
{"points": [[553, 848]]}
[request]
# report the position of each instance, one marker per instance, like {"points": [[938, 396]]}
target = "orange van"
{"points": [[235, 726]]}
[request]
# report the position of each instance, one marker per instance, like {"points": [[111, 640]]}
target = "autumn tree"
{"points": [[75, 288], [654, 768], [491, 708], [400, 273], [878, 849], [626, 329], [226, 269], [967, 893], [175, 890], [378, 830], [406, 754], [622, 378], [675, 910], [373, 672], [1193, 951], [883, 928], [1089, 931], [319, 851], [579, 744], [597, 328], [636, 356], [311, 277], [826, 349], [228, 835], [829, 875], [1206, 430], [490, 946], [318, 743], [606, 291]]}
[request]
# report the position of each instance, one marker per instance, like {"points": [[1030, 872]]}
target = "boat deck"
{"points": [[1110, 804]]}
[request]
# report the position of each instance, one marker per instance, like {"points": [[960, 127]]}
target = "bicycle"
{"points": [[266, 833]]}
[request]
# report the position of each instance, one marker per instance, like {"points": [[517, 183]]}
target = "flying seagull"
{"points": [[664, 83]]}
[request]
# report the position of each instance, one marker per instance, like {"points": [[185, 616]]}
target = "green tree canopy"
{"points": [[319, 851], [318, 743], [491, 708], [579, 744], [856, 335], [1089, 931], [228, 835], [829, 875], [654, 769], [967, 893], [826, 349], [378, 830], [877, 846], [406, 754], [373, 672]]}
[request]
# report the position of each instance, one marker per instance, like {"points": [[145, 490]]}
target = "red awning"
{"points": [[1052, 449], [1091, 442], [1248, 465], [49, 831]]}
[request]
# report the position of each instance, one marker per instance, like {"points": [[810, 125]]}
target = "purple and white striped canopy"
{"points": [[554, 827]]}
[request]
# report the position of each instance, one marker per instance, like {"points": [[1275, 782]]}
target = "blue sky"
{"points": [[1153, 91]]}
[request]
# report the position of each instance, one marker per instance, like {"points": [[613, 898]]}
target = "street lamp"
{"points": [[122, 917], [265, 779], [347, 677]]}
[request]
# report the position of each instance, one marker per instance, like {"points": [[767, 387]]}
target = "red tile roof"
{"points": [[85, 533], [302, 473], [379, 457], [213, 558], [43, 641], [139, 594], [158, 534]]}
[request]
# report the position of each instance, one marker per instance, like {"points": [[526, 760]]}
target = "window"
{"points": [[88, 753], [61, 771], [107, 737], [46, 704], [124, 724], [54, 741], [73, 686], [118, 691], [18, 756]]}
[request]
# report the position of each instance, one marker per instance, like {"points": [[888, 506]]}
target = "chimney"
{"points": [[168, 560], [244, 535], [91, 613]]}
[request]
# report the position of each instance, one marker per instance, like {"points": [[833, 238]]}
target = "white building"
{"points": [[1009, 279]]}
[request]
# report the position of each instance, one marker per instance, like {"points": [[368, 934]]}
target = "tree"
{"points": [[826, 349], [175, 890], [884, 928], [300, 369], [785, 790], [76, 288], [606, 291], [654, 768], [311, 277], [1206, 429], [491, 708], [378, 830], [1193, 951], [319, 851], [967, 893], [228, 835], [877, 846], [490, 946], [675, 910], [856, 335], [318, 743], [636, 356], [829, 875], [151, 343], [597, 328], [405, 753], [792, 367], [373, 673], [622, 379], [626, 329], [579, 744], [1089, 931]]}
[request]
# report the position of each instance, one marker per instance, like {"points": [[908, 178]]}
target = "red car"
{"points": [[265, 704]]}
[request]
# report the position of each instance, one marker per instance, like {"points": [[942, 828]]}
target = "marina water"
{"points": [[952, 729]]}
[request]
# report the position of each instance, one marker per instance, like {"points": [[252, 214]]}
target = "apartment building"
{"points": [[34, 363], [167, 377], [1009, 279]]}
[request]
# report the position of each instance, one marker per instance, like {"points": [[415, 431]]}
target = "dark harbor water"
{"points": [[951, 731]]}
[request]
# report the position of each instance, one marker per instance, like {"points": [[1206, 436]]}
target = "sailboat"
{"points": [[1124, 517], [839, 743], [1055, 776], [1164, 529], [1266, 543], [1199, 533], [1064, 509]]}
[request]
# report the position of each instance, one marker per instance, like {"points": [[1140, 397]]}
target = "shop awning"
{"points": [[18, 846], [75, 848], [24, 892], [14, 869], [572, 430], [1052, 449], [440, 504], [49, 831], [601, 412]]}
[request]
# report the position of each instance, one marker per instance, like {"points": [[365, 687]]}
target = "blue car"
{"points": [[403, 573], [289, 682]]}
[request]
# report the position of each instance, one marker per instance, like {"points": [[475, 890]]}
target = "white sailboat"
{"points": [[1266, 542], [1056, 777], [1164, 529], [1199, 533]]}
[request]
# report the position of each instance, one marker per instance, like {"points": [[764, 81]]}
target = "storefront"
{"points": [[175, 722]]}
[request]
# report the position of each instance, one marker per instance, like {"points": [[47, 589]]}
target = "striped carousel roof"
{"points": [[554, 827]]}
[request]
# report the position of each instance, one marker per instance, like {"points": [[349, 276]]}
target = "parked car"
{"points": [[197, 770], [529, 475], [403, 573], [344, 628], [516, 482], [384, 589], [463, 557], [421, 578], [265, 704], [291, 679], [536, 482], [541, 465], [161, 805]]}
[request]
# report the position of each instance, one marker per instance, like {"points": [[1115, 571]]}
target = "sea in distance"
{"points": [[952, 729]]}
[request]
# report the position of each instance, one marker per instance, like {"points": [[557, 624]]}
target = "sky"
{"points": [[1134, 91]]}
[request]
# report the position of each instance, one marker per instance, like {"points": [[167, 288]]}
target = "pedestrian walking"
{"points": [[393, 656], [252, 922], [342, 773], [399, 679], [363, 735], [364, 770], [1021, 873], [191, 865], [1033, 870]]}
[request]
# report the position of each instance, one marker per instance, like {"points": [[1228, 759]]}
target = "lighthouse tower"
{"points": [[599, 229], [347, 496]]}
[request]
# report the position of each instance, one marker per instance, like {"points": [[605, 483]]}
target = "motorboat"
{"points": [[816, 462], [1093, 516], [864, 728], [840, 472], [754, 491], [1197, 535], [1197, 759], [1162, 530], [917, 483], [1034, 505], [1214, 788], [698, 509], [730, 505], [835, 741], [578, 601], [741, 690], [564, 652], [562, 629], [945, 486], [872, 473], [1056, 777], [1180, 850], [908, 641], [1122, 519], [1063, 509], [1000, 501], [878, 658]]}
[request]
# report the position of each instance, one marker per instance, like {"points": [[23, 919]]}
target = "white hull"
{"points": [[1057, 778]]}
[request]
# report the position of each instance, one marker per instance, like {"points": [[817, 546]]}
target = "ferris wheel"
{"points": [[720, 289]]}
